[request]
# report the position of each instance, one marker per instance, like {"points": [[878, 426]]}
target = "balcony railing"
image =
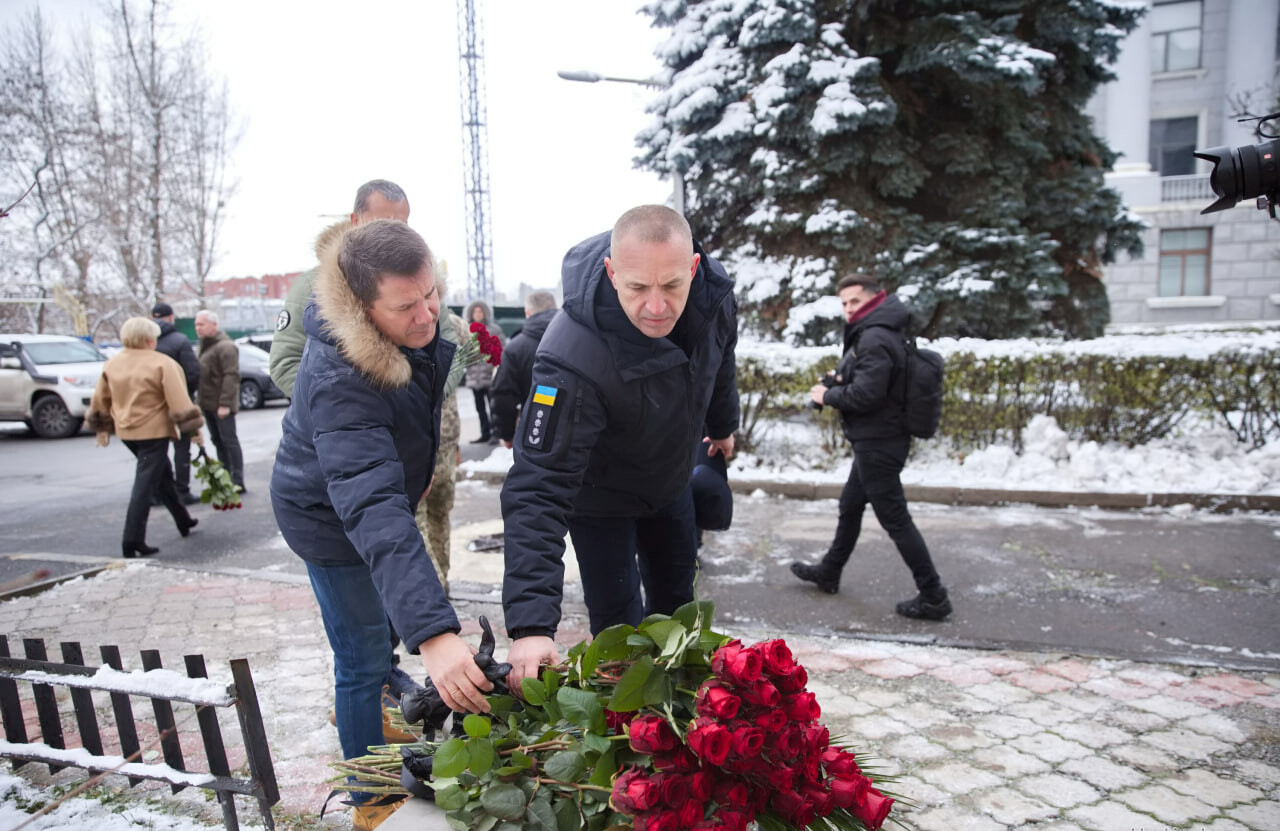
{"points": [[1194, 188]]}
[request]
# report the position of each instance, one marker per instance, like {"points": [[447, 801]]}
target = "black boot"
{"points": [[933, 606], [825, 580], [137, 549]]}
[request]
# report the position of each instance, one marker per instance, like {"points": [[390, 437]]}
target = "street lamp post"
{"points": [[588, 77]]}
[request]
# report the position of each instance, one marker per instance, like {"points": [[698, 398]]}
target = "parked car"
{"points": [[47, 382], [262, 340], [256, 386]]}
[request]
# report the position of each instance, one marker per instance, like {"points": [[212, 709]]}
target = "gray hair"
{"points": [[136, 331], [212, 317], [652, 224], [377, 248], [390, 190], [539, 301]]}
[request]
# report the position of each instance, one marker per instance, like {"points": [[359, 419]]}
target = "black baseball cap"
{"points": [[161, 310]]}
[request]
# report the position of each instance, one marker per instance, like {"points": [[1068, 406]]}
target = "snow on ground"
{"points": [[1203, 459]]}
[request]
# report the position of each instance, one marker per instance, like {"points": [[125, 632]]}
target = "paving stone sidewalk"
{"points": [[979, 739]]}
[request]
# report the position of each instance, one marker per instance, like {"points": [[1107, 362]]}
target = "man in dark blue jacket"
{"points": [[178, 346], [869, 390], [638, 360], [357, 452]]}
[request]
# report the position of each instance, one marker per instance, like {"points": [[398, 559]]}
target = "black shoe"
{"points": [[185, 528], [481, 440], [190, 498], [818, 576], [137, 549], [922, 608]]}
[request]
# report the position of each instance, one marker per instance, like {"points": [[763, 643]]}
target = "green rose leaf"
{"points": [[451, 798], [656, 688], [481, 756], [478, 727], [581, 708], [696, 616], [566, 766], [540, 817], [568, 817], [533, 690], [451, 759], [602, 776], [596, 742], [504, 801], [667, 634], [628, 695]]}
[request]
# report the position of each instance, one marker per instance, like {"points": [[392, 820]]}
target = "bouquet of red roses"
{"points": [[662, 727], [473, 348]]}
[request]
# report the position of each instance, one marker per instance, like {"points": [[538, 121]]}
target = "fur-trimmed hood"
{"points": [[338, 317]]}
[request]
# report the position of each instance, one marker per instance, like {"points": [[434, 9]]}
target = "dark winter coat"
{"points": [[358, 451], [219, 373], [178, 346], [608, 426], [872, 385], [515, 374]]}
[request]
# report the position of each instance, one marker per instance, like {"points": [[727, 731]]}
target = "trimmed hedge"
{"points": [[1128, 400]]}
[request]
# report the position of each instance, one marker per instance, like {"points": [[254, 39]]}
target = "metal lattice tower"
{"points": [[475, 156]]}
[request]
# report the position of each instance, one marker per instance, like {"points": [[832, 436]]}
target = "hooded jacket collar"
{"points": [[337, 317]]}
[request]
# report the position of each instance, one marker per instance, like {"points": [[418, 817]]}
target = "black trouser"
{"points": [[182, 464], [619, 555], [482, 410], [153, 475], [874, 479], [223, 433]]}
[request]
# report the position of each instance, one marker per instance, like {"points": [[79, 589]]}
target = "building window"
{"points": [[1173, 143], [1175, 29], [1184, 262]]}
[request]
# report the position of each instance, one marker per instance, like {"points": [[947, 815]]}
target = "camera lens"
{"points": [[1242, 173]]}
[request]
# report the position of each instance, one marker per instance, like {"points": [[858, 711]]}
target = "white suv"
{"points": [[47, 382]]}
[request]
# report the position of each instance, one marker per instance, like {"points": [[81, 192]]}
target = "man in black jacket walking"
{"points": [[869, 390], [639, 359], [178, 346], [515, 373]]}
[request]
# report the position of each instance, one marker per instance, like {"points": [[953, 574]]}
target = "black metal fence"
{"points": [[80, 681]]}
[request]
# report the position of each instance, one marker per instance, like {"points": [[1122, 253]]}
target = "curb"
{"points": [[1221, 503]]}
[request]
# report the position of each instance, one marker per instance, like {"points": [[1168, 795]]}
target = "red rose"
{"points": [[732, 793], [716, 701], [710, 740], [736, 665], [651, 734], [734, 820], [633, 791], [478, 327], [747, 741], [673, 789], [788, 742], [689, 813], [680, 760], [762, 694], [771, 721], [616, 721], [776, 656], [872, 809], [840, 763], [780, 777], [847, 792], [795, 682], [802, 707], [816, 738], [794, 808], [658, 821], [700, 786]]}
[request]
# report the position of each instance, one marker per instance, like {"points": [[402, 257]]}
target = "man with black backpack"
{"points": [[869, 388]]}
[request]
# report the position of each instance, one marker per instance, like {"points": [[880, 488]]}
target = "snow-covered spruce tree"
{"points": [[939, 145]]}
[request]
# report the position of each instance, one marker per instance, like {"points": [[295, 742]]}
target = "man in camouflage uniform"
{"points": [[432, 513]]}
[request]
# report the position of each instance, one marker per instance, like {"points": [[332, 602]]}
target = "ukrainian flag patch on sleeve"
{"points": [[541, 417]]}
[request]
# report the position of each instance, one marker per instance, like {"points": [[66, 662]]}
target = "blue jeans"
{"points": [[361, 642], [617, 555]]}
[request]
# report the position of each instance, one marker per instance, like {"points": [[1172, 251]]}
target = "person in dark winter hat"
{"points": [[869, 390], [178, 346]]}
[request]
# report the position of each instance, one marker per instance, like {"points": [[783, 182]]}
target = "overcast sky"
{"points": [[332, 94]]}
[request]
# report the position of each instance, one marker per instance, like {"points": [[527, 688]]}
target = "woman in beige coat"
{"points": [[142, 397]]}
